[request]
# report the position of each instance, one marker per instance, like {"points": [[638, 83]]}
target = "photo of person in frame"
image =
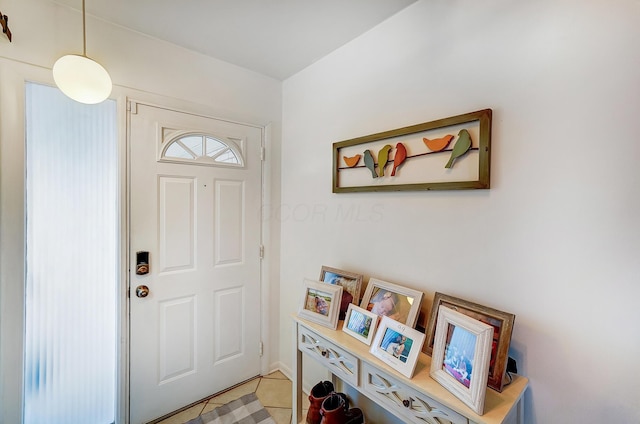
{"points": [[349, 287], [318, 301], [359, 323], [459, 353], [387, 303], [396, 344]]}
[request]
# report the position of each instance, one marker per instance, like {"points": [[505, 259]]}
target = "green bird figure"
{"points": [[462, 146], [369, 163], [383, 158]]}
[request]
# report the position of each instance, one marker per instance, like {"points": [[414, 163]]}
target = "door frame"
{"points": [[192, 109], [12, 238]]}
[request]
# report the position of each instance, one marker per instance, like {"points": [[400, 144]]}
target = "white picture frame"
{"points": [[398, 345], [399, 303], [360, 324], [320, 303], [457, 337]]}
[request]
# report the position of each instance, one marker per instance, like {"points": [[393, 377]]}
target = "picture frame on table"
{"points": [[398, 345], [502, 323], [351, 283], [397, 302], [360, 324], [320, 303], [460, 359]]}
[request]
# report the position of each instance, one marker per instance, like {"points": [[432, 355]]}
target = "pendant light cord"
{"points": [[84, 32]]}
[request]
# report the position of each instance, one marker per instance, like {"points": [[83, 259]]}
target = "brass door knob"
{"points": [[142, 291]]}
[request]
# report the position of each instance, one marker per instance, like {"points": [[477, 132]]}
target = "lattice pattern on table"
{"points": [[421, 408], [337, 361]]}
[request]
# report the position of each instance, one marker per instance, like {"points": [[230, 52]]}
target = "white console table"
{"points": [[417, 400]]}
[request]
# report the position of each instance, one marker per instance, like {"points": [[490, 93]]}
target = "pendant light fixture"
{"points": [[82, 79]]}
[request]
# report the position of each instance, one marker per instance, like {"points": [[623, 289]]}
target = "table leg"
{"points": [[296, 409], [520, 411]]}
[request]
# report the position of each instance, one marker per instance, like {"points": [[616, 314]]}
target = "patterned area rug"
{"points": [[245, 410]]}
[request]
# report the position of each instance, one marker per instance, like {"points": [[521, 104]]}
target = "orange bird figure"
{"points": [[398, 159], [352, 161], [438, 144]]}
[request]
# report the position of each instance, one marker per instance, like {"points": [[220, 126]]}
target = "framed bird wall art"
{"points": [[447, 154]]}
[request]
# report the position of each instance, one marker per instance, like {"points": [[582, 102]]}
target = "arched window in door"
{"points": [[202, 149]]}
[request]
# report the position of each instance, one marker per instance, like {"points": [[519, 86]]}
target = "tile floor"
{"points": [[273, 390]]}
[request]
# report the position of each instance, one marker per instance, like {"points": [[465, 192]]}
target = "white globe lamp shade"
{"points": [[82, 79]]}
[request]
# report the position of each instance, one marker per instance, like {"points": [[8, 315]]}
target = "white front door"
{"points": [[195, 201]]}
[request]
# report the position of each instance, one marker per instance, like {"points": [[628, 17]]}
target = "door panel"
{"points": [[228, 340], [177, 338], [229, 219], [195, 334], [177, 211]]}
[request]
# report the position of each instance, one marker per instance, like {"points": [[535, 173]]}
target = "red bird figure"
{"points": [[398, 159]]}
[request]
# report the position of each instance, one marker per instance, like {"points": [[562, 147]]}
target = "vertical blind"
{"points": [[72, 259]]}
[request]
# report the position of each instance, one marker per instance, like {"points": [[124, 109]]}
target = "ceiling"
{"points": [[276, 38]]}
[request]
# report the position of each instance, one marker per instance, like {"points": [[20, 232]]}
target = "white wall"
{"points": [[556, 238], [141, 67]]}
